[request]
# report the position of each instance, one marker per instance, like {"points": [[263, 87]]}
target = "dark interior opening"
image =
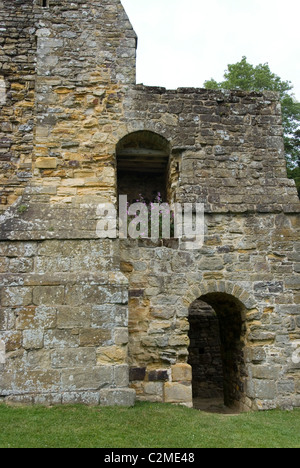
{"points": [[142, 164], [145, 185], [205, 355], [216, 355]]}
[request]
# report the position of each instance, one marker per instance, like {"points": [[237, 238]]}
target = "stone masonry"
{"points": [[106, 321]]}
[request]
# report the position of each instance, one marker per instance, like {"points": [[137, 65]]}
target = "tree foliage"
{"points": [[244, 76]]}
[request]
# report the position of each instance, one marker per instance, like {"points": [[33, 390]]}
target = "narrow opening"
{"points": [[205, 354], [216, 355], [45, 3], [142, 163]]}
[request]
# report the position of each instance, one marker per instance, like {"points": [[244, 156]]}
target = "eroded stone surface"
{"points": [[81, 316]]}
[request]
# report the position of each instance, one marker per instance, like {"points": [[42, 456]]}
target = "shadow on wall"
{"points": [[217, 339]]}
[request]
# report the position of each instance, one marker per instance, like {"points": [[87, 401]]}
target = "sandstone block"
{"points": [[38, 381], [101, 315], [46, 163], [111, 355], [20, 265], [81, 398], [179, 340], [39, 359], [94, 337], [86, 378], [121, 315], [178, 393], [154, 391], [42, 131], [117, 397], [126, 267], [12, 340], [33, 339], [19, 400], [4, 263], [170, 119], [16, 296], [266, 372], [73, 182], [181, 373], [121, 336], [74, 357], [286, 387], [211, 264], [48, 295], [121, 376], [44, 399], [264, 389], [36, 317], [71, 317], [61, 339], [255, 355]]}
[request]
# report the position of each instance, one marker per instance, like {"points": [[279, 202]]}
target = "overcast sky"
{"points": [[185, 42]]}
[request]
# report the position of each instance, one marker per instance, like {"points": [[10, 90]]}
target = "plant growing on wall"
{"points": [[166, 215]]}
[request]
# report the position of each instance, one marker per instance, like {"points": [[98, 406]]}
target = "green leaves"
{"points": [[243, 75]]}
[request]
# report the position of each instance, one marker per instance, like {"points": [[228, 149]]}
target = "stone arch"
{"points": [[161, 128], [218, 339], [142, 159], [228, 287]]}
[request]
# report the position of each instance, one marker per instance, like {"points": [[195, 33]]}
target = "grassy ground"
{"points": [[145, 426]]}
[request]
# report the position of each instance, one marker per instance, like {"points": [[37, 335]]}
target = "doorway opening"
{"points": [[216, 352]]}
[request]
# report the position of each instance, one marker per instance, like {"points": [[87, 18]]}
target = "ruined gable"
{"points": [[92, 320]]}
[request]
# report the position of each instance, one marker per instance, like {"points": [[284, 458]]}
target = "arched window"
{"points": [[142, 166]]}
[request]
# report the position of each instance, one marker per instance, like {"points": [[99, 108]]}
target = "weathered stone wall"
{"points": [[17, 78], [228, 145], [63, 303], [67, 298], [85, 59], [63, 70], [250, 258], [68, 98], [64, 323]]}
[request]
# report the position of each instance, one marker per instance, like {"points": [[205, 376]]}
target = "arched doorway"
{"points": [[216, 352], [142, 166]]}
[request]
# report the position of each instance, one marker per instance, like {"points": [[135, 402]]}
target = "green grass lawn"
{"points": [[145, 426]]}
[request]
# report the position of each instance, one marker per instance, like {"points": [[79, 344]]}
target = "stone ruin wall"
{"points": [[63, 99], [17, 84], [240, 258], [88, 320]]}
